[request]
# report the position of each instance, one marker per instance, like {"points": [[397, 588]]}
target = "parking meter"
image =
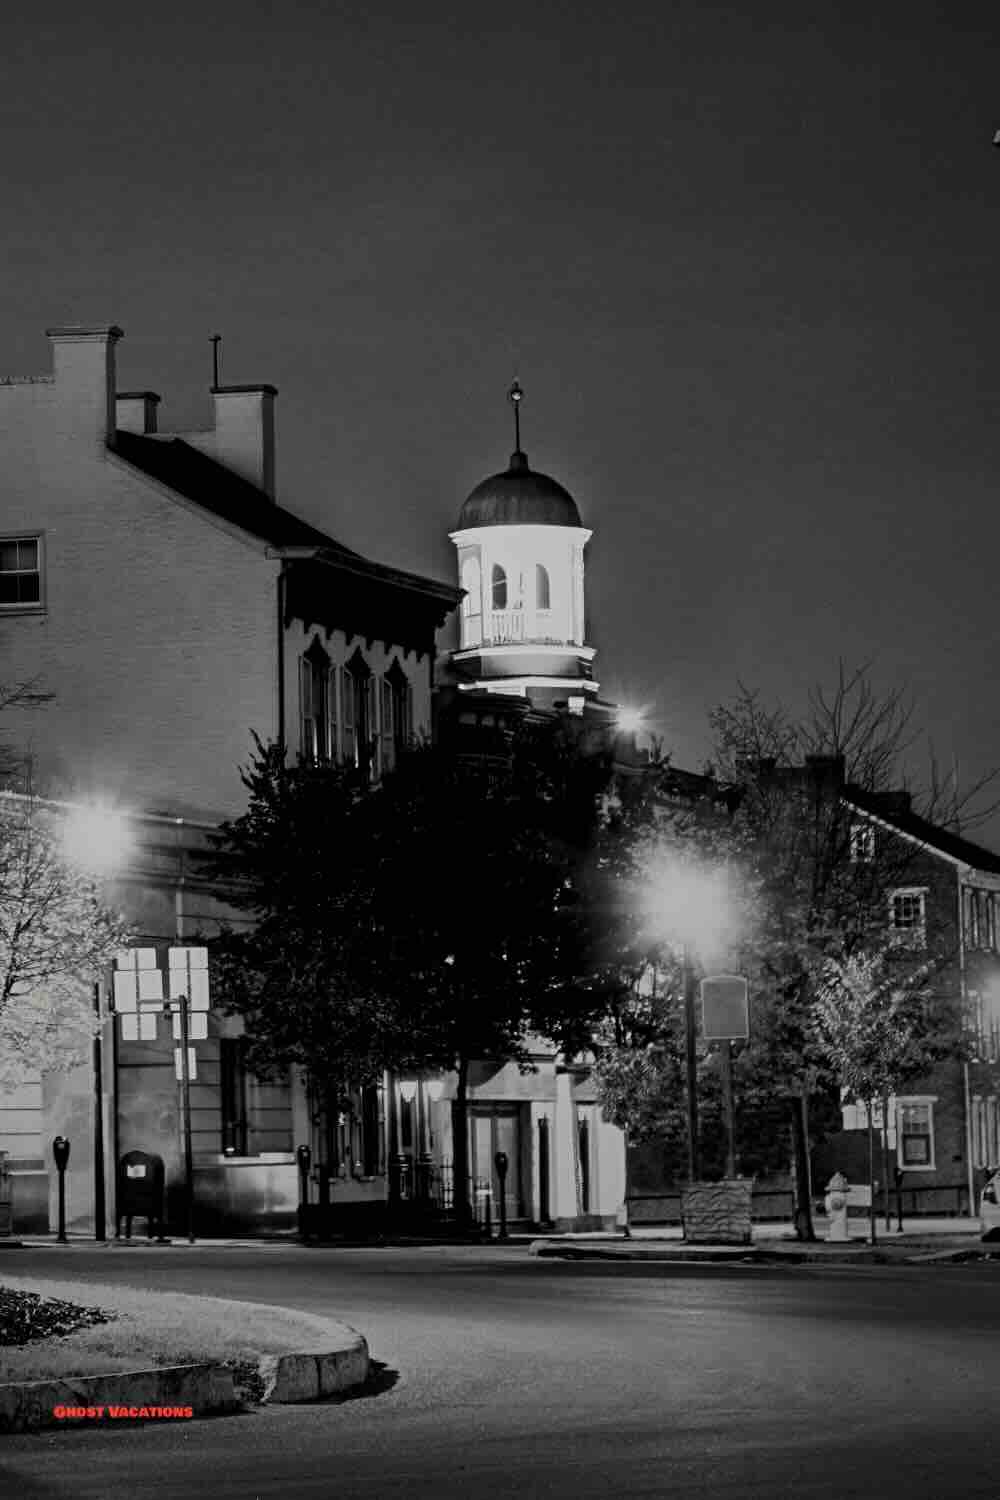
{"points": [[501, 1162], [60, 1150], [303, 1155]]}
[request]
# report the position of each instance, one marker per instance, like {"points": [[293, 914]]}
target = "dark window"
{"points": [[360, 715], [499, 587], [370, 1131], [20, 572], [397, 714], [541, 587], [233, 1092], [317, 720]]}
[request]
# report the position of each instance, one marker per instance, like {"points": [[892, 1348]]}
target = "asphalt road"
{"points": [[524, 1377]]}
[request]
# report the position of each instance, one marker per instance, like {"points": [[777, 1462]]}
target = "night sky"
{"points": [[745, 266]]}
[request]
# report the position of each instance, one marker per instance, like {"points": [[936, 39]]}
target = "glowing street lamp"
{"points": [[629, 720], [693, 907], [96, 838]]}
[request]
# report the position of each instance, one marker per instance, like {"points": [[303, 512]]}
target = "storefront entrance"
{"points": [[491, 1129]]}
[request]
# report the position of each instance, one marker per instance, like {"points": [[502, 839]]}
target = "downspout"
{"points": [[281, 658], [970, 1170]]}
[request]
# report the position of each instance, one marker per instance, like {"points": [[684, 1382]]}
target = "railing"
{"points": [[426, 1187], [506, 625]]}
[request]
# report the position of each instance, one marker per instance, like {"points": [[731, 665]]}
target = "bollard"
{"points": [[60, 1150], [501, 1163]]}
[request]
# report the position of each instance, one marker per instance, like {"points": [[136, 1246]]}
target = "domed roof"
{"points": [[519, 497]]}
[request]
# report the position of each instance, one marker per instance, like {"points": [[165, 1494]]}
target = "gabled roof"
{"points": [[184, 468], [911, 825]]}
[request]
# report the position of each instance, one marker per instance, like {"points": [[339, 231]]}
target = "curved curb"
{"points": [[340, 1365], [193, 1389]]}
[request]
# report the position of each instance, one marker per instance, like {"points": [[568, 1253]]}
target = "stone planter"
{"points": [[717, 1213]]}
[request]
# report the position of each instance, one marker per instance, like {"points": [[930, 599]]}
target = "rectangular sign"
{"points": [[725, 1008]]}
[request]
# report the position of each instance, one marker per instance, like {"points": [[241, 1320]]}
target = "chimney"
{"points": [[244, 432], [135, 411], [83, 360], [827, 769]]}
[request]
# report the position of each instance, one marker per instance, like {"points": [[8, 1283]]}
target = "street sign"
{"points": [[725, 1010]]}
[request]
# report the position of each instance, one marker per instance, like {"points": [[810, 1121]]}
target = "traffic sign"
{"points": [[725, 1011]]}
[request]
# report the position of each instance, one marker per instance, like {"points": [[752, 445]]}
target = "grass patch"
{"points": [[148, 1329]]}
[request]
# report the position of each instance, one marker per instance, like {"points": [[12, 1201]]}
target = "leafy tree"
{"points": [[881, 1023], [428, 922], [57, 936]]}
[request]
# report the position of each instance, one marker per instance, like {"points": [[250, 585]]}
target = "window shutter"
{"points": [[388, 738], [307, 745], [350, 734], [333, 714], [371, 728]]}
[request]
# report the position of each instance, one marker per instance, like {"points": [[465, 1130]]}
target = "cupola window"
{"points": [[542, 597], [499, 587]]}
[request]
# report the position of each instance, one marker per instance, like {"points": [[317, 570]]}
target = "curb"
{"points": [[199, 1390], [711, 1255]]}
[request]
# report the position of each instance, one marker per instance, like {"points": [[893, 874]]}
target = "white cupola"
{"points": [[520, 548]]}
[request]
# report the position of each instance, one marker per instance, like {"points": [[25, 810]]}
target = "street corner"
{"points": [[340, 1365]]}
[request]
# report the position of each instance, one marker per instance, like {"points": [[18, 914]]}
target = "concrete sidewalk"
{"points": [[920, 1241]]}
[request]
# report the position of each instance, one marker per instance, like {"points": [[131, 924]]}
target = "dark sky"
{"points": [[745, 265]]}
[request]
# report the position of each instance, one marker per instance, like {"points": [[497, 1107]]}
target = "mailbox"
{"points": [[141, 1182]]}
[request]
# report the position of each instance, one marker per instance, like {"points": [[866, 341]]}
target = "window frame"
{"points": [[26, 606], [911, 935], [915, 1101], [543, 597], [862, 845], [498, 582]]}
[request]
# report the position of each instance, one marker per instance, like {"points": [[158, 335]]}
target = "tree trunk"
{"points": [[802, 1206], [460, 1147]]}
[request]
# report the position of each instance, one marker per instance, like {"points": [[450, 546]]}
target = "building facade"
{"points": [[151, 582]]}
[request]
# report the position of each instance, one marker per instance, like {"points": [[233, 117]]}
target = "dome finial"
{"points": [[515, 396]]}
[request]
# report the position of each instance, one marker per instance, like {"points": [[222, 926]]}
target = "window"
{"points": [[317, 711], [397, 714], [542, 596], [916, 1135], [20, 572], [233, 1095], [907, 916], [979, 919], [499, 587], [360, 715], [862, 843]]}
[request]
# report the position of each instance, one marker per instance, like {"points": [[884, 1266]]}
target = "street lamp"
{"points": [[629, 720], [96, 838]]}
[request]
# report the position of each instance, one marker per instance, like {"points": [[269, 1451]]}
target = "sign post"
{"points": [[726, 1019], [139, 997]]}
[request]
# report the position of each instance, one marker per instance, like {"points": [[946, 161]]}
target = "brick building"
{"points": [[153, 584]]}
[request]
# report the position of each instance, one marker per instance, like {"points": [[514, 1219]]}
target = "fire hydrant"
{"points": [[836, 1208]]}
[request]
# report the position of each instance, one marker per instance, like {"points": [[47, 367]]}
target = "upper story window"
{"points": [[472, 603], [20, 572], [908, 916], [542, 592], [499, 587], [979, 919], [317, 704], [862, 843]]}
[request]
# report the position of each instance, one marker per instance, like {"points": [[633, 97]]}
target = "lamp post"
{"points": [[691, 907], [96, 838]]}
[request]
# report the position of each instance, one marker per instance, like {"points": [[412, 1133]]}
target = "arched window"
{"points": [[541, 587], [315, 718], [499, 587]]}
